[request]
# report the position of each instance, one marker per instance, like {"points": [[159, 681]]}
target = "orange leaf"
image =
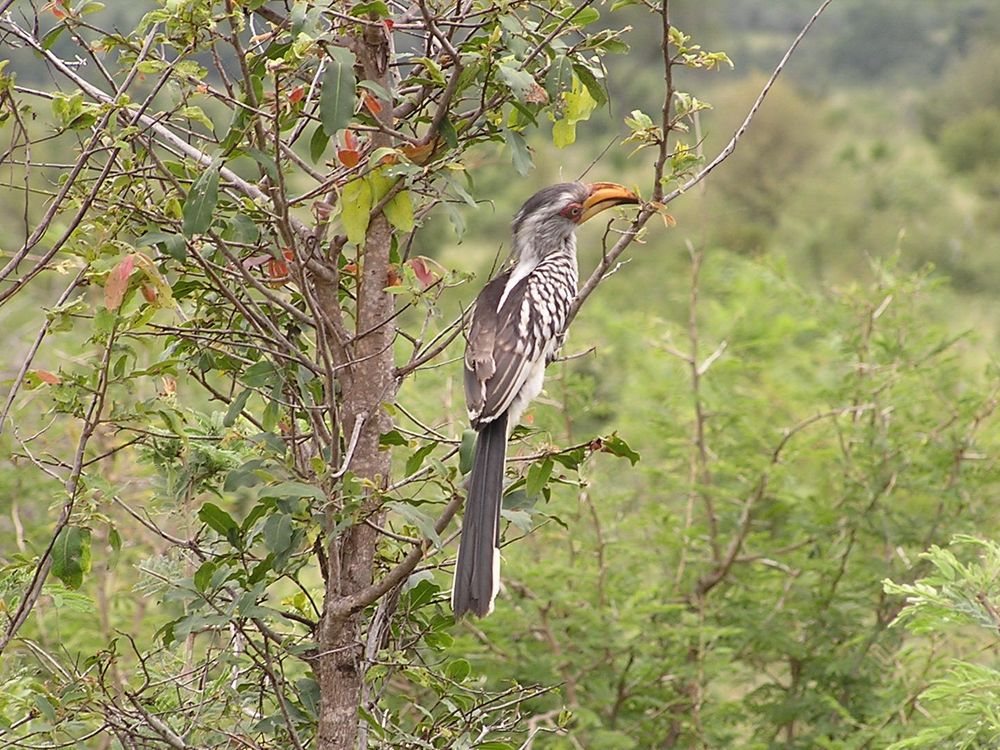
{"points": [[117, 283], [392, 277], [372, 104], [277, 270], [421, 153], [297, 94], [47, 377], [149, 292], [348, 157]]}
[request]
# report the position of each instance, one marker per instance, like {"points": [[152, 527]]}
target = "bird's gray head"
{"points": [[548, 220]]}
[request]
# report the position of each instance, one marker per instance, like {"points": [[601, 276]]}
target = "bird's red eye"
{"points": [[573, 211]]}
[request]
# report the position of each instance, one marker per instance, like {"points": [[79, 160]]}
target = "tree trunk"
{"points": [[351, 557], [372, 383]]}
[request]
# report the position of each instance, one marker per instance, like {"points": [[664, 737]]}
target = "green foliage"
{"points": [[830, 426], [972, 144], [959, 706], [336, 104]]}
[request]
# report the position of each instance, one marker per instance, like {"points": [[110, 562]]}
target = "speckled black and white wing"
{"points": [[515, 329]]}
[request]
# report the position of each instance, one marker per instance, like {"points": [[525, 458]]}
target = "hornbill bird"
{"points": [[517, 326]]}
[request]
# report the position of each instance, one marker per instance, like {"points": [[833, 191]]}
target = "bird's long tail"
{"points": [[477, 572]]}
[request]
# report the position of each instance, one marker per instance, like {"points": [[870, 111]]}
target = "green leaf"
{"points": [[71, 556], [217, 519], [585, 17], [278, 533], [336, 101], [538, 476], [418, 518], [241, 228], [172, 244], [236, 407], [203, 576], [53, 36], [563, 133], [393, 437], [520, 518], [449, 133], [458, 670], [579, 106], [439, 641], [420, 588], [356, 199], [115, 541], [467, 451], [457, 220], [261, 374], [399, 211], [376, 8], [199, 206], [415, 461], [520, 82], [590, 80], [293, 489], [266, 162], [196, 114], [521, 157], [559, 78], [317, 144], [618, 447]]}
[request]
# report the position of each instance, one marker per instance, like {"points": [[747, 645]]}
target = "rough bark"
{"points": [[371, 384]]}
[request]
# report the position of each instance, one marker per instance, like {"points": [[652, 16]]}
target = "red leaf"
{"points": [[372, 104], [277, 270], [149, 293], [117, 283], [348, 157], [47, 377], [58, 8], [297, 93], [423, 273], [351, 142], [389, 23]]}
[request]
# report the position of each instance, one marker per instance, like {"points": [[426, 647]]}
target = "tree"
{"points": [[242, 305]]}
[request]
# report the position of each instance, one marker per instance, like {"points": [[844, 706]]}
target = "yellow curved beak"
{"points": [[604, 195]]}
